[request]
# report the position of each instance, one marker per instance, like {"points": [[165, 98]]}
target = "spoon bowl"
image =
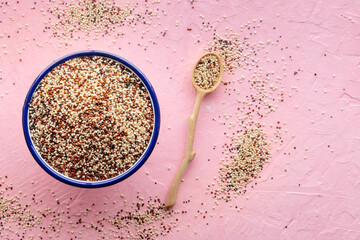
{"points": [[217, 83]]}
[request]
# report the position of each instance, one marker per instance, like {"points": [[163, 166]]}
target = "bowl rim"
{"points": [[91, 184]]}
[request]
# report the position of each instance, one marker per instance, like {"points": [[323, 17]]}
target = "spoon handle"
{"points": [[189, 152]]}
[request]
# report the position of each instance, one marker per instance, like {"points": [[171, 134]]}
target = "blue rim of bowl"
{"points": [[107, 182]]}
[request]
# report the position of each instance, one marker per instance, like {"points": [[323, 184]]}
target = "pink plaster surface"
{"points": [[311, 192]]}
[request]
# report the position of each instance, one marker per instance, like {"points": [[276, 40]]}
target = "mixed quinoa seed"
{"points": [[245, 157], [207, 71], [142, 218], [91, 118]]}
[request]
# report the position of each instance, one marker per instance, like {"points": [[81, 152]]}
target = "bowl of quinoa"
{"points": [[91, 119]]}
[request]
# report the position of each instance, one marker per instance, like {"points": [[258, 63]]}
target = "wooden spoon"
{"points": [[192, 119]]}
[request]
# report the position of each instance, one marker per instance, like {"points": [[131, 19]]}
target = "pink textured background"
{"points": [[311, 192]]}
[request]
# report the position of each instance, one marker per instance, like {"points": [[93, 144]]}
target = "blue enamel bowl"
{"points": [[91, 184]]}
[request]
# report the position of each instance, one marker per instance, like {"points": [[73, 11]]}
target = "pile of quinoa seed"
{"points": [[13, 211], [28, 215], [146, 218], [87, 16], [245, 157], [207, 71], [91, 118], [236, 52]]}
